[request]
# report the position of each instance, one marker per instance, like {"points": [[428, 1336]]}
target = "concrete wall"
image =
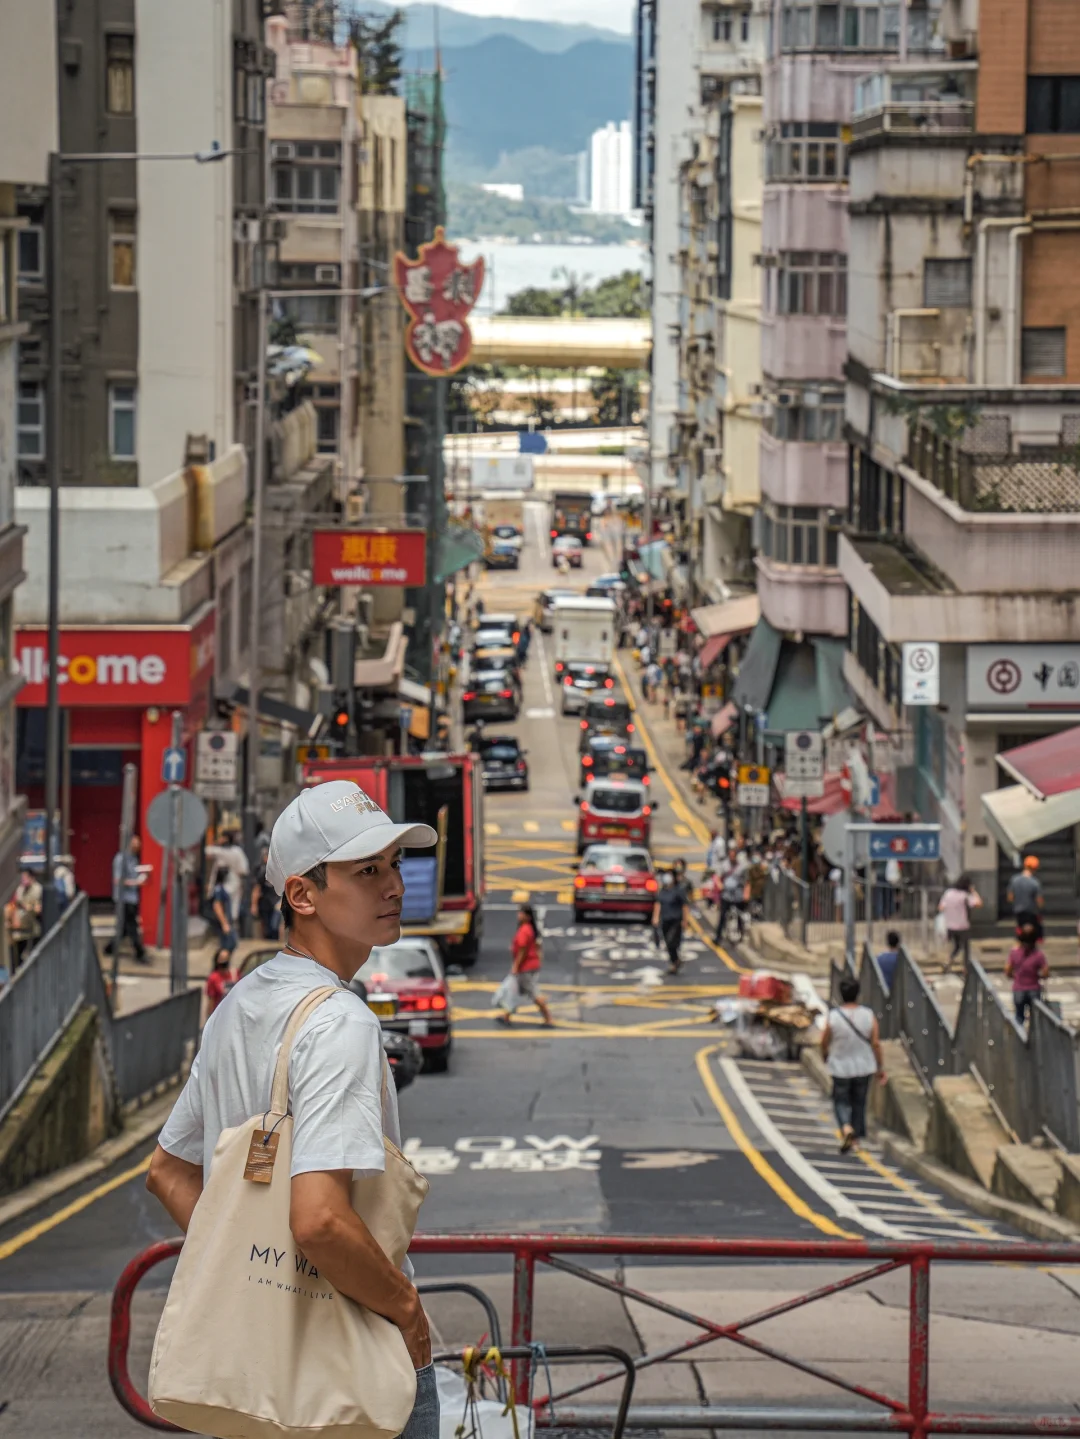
{"points": [[28, 85], [804, 474], [801, 598]]}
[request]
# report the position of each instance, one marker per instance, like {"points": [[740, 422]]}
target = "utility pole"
{"points": [[52, 703], [251, 790]]}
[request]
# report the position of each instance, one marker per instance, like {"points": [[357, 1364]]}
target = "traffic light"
{"points": [[340, 723]]}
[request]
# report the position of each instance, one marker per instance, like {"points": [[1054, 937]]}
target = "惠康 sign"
{"points": [[369, 557]]}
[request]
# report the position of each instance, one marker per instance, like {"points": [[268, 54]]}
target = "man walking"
{"points": [[1025, 892], [335, 861], [670, 912], [128, 879]]}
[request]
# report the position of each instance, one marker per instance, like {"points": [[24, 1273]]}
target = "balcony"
{"points": [[805, 599], [916, 102], [923, 119], [1044, 479]]}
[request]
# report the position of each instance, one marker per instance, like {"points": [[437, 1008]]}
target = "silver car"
{"points": [[578, 682]]}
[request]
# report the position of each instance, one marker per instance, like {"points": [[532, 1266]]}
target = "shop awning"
{"points": [[803, 688], [723, 719], [733, 617], [1016, 818], [1047, 766], [712, 649], [754, 682], [456, 549], [837, 797]]}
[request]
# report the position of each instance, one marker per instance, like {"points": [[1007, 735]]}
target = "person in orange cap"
{"points": [[1025, 892]]}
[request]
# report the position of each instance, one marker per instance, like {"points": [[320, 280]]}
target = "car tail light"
{"points": [[469, 695], [609, 684], [589, 670], [644, 779], [579, 881], [558, 667], [651, 885], [620, 749], [506, 694], [586, 761], [584, 807], [629, 729], [517, 636], [584, 724], [588, 534], [554, 534], [438, 1001], [521, 766], [568, 679], [609, 702], [415, 1003], [724, 782], [647, 809]]}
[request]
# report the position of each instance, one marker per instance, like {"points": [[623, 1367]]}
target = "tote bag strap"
{"points": [[279, 1094]]}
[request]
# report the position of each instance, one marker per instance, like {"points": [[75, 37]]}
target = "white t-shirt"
{"points": [[335, 1073], [232, 859], [850, 1052]]}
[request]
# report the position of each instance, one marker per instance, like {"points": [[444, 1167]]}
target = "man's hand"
{"points": [[414, 1330]]}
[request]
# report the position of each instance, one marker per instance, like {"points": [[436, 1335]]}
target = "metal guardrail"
{"points": [[1030, 1077], [41, 1000], [150, 1045], [60, 974]]}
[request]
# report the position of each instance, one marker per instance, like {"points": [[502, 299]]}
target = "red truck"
{"points": [[416, 788]]}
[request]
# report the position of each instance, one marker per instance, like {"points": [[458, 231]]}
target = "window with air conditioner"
{"points": [[327, 274]]}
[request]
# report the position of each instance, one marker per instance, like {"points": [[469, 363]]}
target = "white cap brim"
{"points": [[362, 846]]}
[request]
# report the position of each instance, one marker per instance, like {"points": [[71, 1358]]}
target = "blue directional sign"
{"points": [[875, 791], [904, 842], [173, 766]]}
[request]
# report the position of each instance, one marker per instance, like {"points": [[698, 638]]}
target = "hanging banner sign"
{"points": [[369, 557], [438, 291]]}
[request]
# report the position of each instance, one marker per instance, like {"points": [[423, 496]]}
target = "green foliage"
{"points": [[617, 396], [473, 213], [622, 295], [282, 330], [535, 301], [377, 40], [951, 422]]}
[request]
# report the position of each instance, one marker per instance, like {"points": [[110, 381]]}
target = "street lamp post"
{"points": [[57, 161]]}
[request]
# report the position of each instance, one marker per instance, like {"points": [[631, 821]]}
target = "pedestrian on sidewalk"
{"points": [[24, 917], [335, 861], [1027, 966], [716, 853], [670, 913], [128, 879], [525, 961], [653, 677], [851, 1047], [734, 895], [889, 958], [220, 980], [263, 908], [228, 855], [221, 912], [956, 905], [1025, 892]]}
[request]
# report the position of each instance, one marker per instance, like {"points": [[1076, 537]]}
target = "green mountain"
{"points": [[455, 28]]}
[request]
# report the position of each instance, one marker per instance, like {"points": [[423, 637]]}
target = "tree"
{"points": [[543, 411], [283, 331], [534, 301], [616, 395], [378, 50], [619, 296]]}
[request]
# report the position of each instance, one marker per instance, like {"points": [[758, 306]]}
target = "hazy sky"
{"points": [[614, 14]]}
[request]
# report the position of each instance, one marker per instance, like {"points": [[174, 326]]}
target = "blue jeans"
{"points": [[424, 1420]]}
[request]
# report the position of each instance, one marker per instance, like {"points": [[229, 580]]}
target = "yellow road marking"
{"points": [[565, 896], [779, 1186], [530, 827], [721, 954], [569, 825], [35, 1231], [491, 828], [520, 896], [561, 1031], [682, 831]]}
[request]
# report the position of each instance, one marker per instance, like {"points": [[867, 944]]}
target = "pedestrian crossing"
{"points": [[887, 1202]]}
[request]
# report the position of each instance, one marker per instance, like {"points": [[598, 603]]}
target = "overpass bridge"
{"points": [[561, 343]]}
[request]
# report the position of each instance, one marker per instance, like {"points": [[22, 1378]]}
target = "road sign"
{"points": [[904, 843], [875, 791], [306, 752], [921, 673], [752, 796], [191, 818], [753, 774], [174, 766], [804, 755], [217, 764]]}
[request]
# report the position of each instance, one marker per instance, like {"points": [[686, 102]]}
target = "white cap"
{"points": [[333, 822]]}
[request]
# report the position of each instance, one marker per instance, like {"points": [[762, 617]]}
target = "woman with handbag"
{"points": [[851, 1046], [523, 981], [292, 1310]]}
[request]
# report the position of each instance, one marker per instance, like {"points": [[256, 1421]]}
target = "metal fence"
{"points": [[814, 913], [60, 974], [151, 1045], [1030, 1077]]}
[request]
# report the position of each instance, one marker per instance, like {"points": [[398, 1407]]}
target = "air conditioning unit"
{"points": [[282, 150], [327, 274], [245, 230], [787, 397]]}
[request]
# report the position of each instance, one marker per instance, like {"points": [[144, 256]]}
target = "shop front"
{"points": [[118, 688]]}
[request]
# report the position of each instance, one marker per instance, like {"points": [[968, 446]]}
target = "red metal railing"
{"points": [[879, 1411]]}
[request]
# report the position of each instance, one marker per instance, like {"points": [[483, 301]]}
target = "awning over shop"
{"points": [[712, 649], [799, 686], [757, 671], [723, 719], [1047, 766], [733, 617], [837, 797], [456, 549], [1016, 818]]}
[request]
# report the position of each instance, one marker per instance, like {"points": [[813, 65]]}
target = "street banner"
{"points": [[438, 291], [369, 557]]}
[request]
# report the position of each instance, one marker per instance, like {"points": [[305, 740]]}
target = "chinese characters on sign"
{"points": [[1018, 677], [438, 291], [902, 844], [368, 557], [488, 1152]]}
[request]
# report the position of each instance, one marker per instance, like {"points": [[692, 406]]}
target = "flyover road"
{"points": [[632, 1116]]}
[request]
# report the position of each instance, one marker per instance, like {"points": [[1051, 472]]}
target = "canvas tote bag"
{"points": [[253, 1341]]}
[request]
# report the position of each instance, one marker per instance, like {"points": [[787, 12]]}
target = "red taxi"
{"points": [[614, 880], [405, 988], [615, 808]]}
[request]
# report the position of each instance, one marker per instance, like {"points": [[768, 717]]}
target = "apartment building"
{"points": [[715, 444], [611, 154], [158, 354], [963, 413]]}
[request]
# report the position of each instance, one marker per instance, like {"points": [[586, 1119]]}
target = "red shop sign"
{"points": [[369, 557], [116, 666]]}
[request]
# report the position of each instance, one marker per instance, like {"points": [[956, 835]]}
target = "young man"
{"points": [[335, 860], [889, 958], [670, 912], [128, 879], [1025, 892]]}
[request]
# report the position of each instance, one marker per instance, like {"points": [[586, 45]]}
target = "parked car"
{"points": [[405, 1057], [503, 555], [495, 630], [614, 809], [608, 715], [500, 658], [613, 879], [490, 695], [545, 604], [407, 989], [571, 547], [607, 754], [578, 683], [503, 763]]}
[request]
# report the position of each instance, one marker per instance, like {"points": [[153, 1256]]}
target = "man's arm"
{"points": [[338, 1242], [176, 1184]]}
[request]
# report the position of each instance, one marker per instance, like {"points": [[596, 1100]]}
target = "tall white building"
{"points": [[611, 155]]}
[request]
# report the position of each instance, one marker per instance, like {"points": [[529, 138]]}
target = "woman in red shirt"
{"points": [[525, 966], [219, 981]]}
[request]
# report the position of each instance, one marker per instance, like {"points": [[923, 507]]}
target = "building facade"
{"points": [[963, 414], [611, 170]]}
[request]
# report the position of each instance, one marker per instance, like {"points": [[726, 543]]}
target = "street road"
{"points": [[632, 1117]]}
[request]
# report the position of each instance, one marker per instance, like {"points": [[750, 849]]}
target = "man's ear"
{"points": [[300, 892]]}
